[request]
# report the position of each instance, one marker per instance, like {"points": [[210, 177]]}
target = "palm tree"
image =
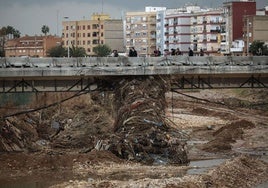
{"points": [[77, 51], [45, 29], [102, 50]]}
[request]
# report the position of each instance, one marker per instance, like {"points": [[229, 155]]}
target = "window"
{"points": [[88, 27], [95, 34], [89, 50], [84, 34], [95, 26], [84, 42], [88, 35], [95, 41], [84, 27], [88, 42]]}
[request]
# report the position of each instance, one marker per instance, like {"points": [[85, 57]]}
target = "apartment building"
{"points": [[177, 30], [255, 28], [205, 30], [140, 30], [191, 27], [101, 29], [233, 13], [32, 46]]}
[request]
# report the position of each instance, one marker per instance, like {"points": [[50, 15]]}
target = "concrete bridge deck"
{"points": [[74, 74]]}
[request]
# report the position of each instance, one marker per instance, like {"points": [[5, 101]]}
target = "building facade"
{"points": [[140, 30], [255, 28], [31, 46], [233, 14], [205, 30], [191, 27], [177, 30], [101, 29]]}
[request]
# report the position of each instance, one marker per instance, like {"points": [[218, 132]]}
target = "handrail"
{"points": [[122, 61]]}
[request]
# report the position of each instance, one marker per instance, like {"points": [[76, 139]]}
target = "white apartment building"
{"points": [[177, 32], [189, 27]]}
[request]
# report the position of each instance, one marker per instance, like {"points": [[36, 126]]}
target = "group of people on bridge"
{"points": [[157, 53]]}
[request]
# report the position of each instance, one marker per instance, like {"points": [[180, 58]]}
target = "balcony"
{"points": [[215, 30]]}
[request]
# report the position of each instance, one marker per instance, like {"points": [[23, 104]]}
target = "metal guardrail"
{"points": [[17, 62]]}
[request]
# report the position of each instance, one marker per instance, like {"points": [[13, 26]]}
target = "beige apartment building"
{"points": [[205, 30], [255, 28], [101, 29], [31, 46], [140, 32]]}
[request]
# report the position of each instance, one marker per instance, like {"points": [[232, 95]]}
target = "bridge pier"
{"points": [[142, 131]]}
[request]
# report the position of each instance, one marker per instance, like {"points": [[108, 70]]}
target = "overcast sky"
{"points": [[28, 16]]}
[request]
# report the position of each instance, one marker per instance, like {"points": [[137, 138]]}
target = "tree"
{"points": [[77, 52], [4, 31], [45, 29], [102, 50], [258, 48], [57, 51], [4, 35]]}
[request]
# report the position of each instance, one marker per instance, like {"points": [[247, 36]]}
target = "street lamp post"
{"points": [[247, 35], [68, 47]]}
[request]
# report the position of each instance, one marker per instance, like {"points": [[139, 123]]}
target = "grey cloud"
{"points": [[29, 15]]}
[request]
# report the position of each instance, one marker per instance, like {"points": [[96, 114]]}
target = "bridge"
{"points": [[77, 74]]}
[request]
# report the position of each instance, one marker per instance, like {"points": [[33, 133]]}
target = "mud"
{"points": [[35, 154]]}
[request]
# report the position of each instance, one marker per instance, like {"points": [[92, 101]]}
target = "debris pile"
{"points": [[142, 131], [90, 124], [226, 135], [17, 134]]}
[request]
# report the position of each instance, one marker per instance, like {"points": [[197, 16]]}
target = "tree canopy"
{"points": [[102, 50], [45, 29], [10, 30], [258, 48], [57, 51], [77, 52]]}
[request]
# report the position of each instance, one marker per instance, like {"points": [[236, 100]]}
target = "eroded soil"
{"points": [[230, 124]]}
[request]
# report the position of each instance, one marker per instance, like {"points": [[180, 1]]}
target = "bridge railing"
{"points": [[17, 62]]}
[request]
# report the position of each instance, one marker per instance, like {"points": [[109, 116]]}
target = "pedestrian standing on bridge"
{"points": [[191, 53], [201, 52], [132, 52], [178, 52], [115, 53]]}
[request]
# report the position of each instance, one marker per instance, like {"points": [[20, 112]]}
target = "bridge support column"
{"points": [[142, 131]]}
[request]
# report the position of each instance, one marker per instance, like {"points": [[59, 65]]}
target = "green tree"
{"points": [[77, 52], [57, 51], [45, 29], [4, 32], [102, 50], [258, 48]]}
